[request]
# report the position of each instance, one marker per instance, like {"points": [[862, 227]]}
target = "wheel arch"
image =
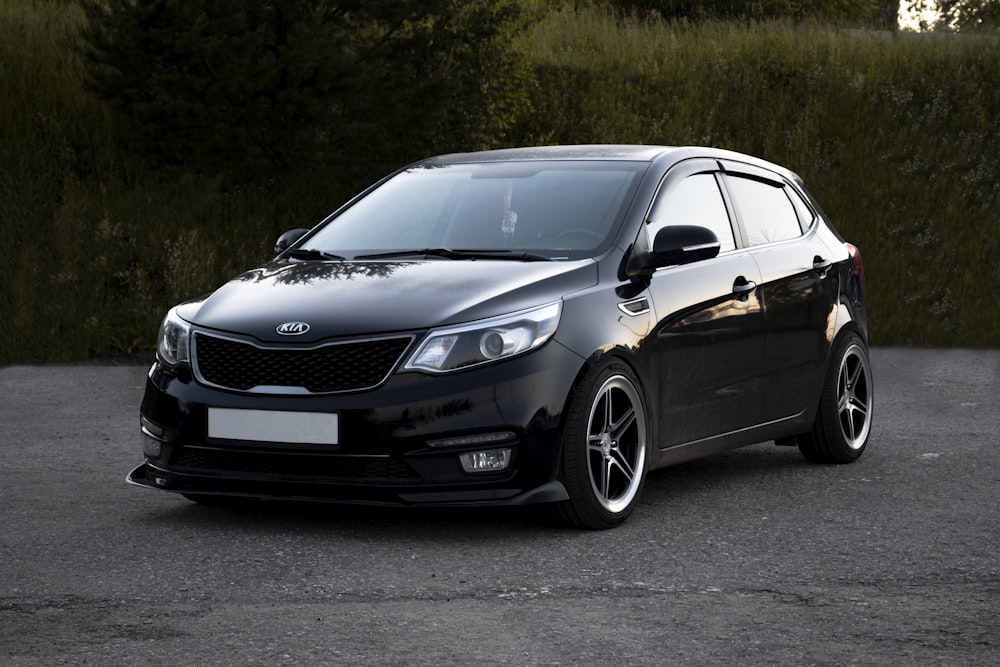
{"points": [[600, 356]]}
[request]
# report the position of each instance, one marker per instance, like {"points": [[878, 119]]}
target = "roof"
{"points": [[575, 152], [630, 152]]}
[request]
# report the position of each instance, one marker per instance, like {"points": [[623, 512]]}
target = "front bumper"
{"points": [[399, 444], [150, 477]]}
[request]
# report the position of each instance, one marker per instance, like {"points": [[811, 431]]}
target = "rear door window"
{"points": [[767, 213]]}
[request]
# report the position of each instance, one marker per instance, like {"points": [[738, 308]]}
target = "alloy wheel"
{"points": [[854, 397], [616, 444]]}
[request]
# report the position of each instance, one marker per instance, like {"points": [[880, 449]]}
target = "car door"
{"points": [[708, 341], [797, 288]]}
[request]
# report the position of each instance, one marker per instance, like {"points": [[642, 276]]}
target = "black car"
{"points": [[536, 325]]}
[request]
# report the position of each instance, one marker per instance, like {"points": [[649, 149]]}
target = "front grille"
{"points": [[336, 367], [310, 466]]}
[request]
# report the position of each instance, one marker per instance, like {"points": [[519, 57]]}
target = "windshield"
{"points": [[559, 210]]}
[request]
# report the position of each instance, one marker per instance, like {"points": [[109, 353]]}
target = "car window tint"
{"points": [[766, 211], [802, 210], [694, 201], [559, 208]]}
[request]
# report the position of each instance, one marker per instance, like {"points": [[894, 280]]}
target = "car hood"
{"points": [[355, 298]]}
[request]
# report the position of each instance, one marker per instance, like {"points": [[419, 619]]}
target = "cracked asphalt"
{"points": [[754, 557]]}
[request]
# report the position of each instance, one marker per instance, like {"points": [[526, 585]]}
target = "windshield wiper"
{"points": [[311, 253], [448, 253]]}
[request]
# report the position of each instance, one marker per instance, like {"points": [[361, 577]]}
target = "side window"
{"points": [[766, 210], [803, 211], [694, 201]]}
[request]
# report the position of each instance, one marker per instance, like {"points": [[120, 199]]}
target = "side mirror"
{"points": [[675, 245], [288, 239]]}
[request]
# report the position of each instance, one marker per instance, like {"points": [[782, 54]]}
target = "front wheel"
{"points": [[843, 422], [603, 448]]}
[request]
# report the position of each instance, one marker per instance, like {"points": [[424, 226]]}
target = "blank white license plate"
{"points": [[314, 428]]}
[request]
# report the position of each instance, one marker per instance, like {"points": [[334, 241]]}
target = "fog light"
{"points": [[489, 460]]}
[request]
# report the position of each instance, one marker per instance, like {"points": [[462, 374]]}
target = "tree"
{"points": [[254, 89], [888, 15], [961, 15]]}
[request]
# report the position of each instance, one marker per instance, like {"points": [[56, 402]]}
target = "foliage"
{"points": [[895, 134], [253, 89], [958, 15], [842, 11]]}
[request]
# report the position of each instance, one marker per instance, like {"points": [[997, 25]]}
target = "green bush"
{"points": [[263, 91], [847, 12], [895, 134]]}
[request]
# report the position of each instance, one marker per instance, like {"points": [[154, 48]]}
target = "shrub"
{"points": [[896, 135], [253, 90], [880, 13]]}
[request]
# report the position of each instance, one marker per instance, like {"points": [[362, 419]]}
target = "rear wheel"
{"points": [[843, 422], [604, 448]]}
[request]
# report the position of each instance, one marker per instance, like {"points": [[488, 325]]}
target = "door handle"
{"points": [[821, 265], [743, 287]]}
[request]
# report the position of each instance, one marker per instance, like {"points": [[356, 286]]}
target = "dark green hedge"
{"points": [[895, 134], [898, 135]]}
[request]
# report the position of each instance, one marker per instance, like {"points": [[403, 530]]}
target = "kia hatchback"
{"points": [[536, 325]]}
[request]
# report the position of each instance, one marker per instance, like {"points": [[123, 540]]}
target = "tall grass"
{"points": [[895, 134], [49, 135], [94, 247]]}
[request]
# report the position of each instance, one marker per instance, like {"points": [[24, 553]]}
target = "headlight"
{"points": [[173, 339], [454, 348]]}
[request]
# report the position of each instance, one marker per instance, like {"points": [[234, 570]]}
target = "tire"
{"points": [[843, 422], [604, 448]]}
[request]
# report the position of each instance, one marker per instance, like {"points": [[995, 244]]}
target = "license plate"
{"points": [[313, 428]]}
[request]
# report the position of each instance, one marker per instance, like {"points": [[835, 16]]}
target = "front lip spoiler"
{"points": [[549, 492]]}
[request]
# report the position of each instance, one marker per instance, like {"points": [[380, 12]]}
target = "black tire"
{"points": [[843, 421], [604, 448]]}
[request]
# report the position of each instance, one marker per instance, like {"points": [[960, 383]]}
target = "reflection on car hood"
{"points": [[357, 298]]}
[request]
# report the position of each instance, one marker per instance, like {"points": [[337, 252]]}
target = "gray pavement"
{"points": [[753, 557]]}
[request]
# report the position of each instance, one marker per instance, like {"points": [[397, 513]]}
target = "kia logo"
{"points": [[292, 328]]}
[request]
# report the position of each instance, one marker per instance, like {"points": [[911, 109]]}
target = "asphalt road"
{"points": [[752, 558]]}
